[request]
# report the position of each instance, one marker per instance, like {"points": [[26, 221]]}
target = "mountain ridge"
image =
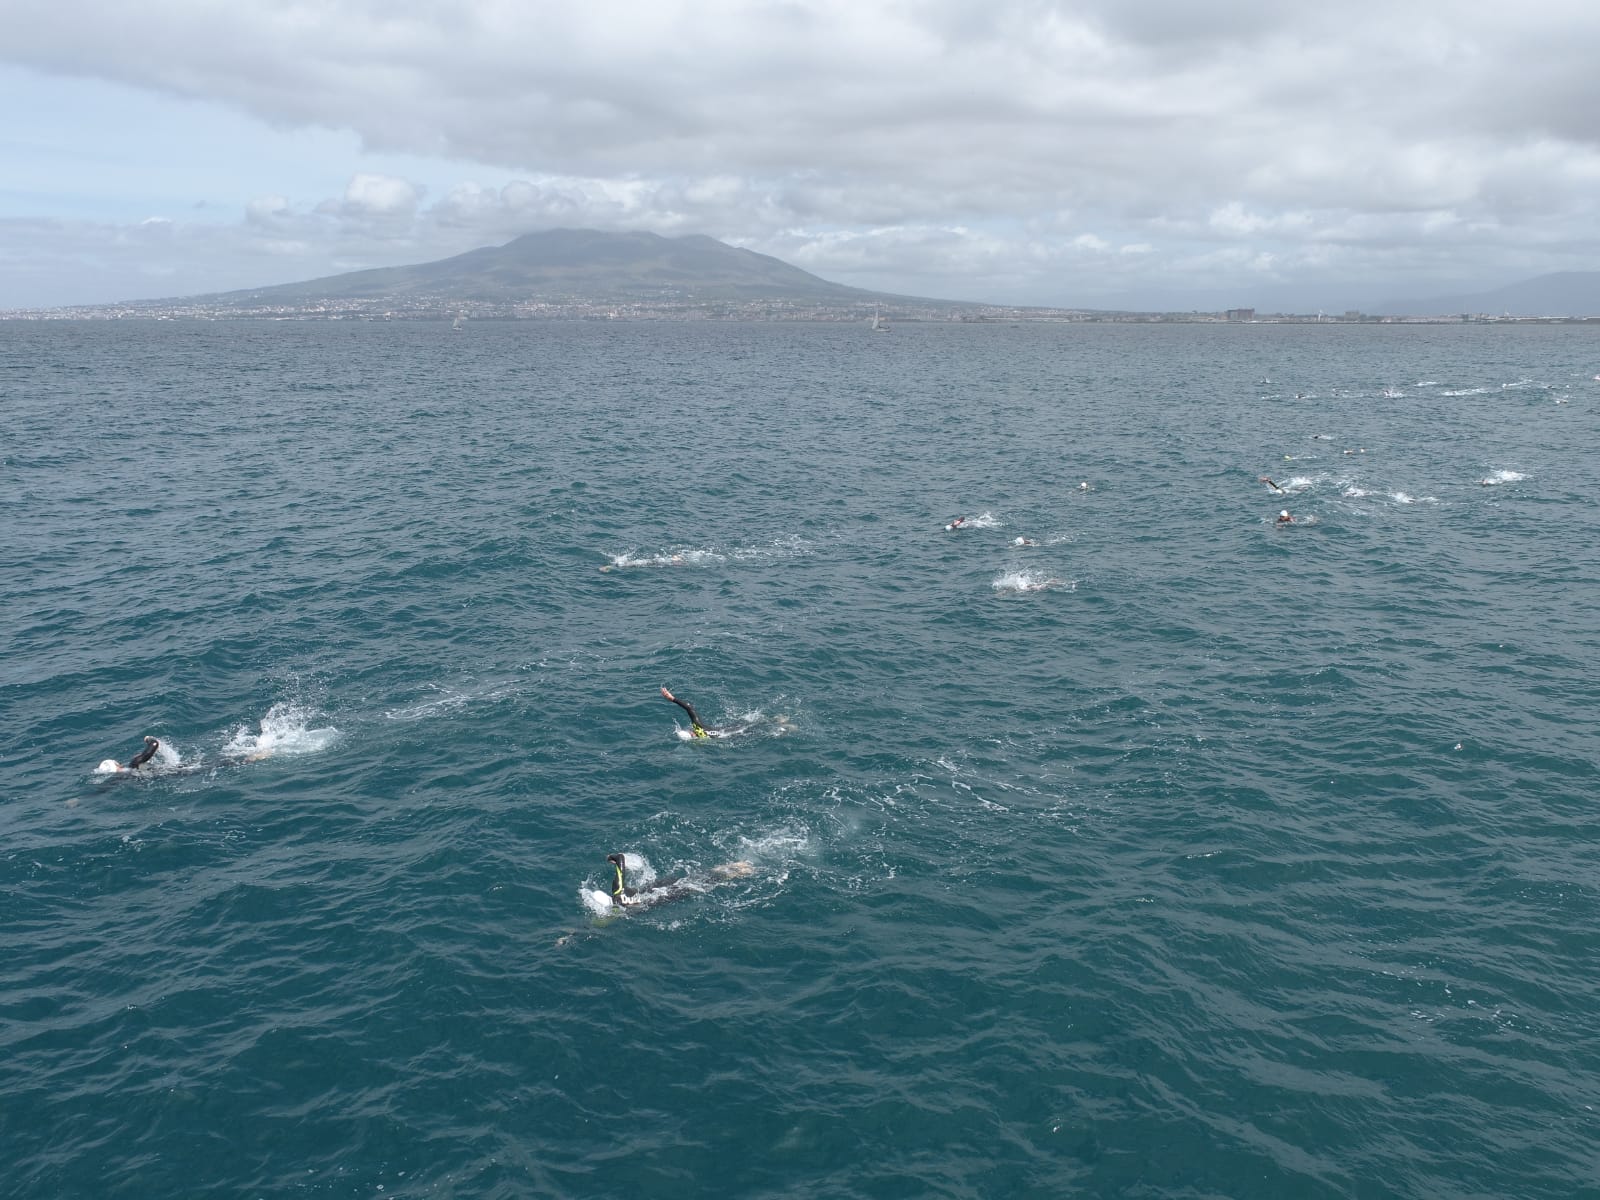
{"points": [[1561, 294], [573, 264]]}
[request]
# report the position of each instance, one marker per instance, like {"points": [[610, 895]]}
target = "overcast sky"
{"points": [[1170, 153]]}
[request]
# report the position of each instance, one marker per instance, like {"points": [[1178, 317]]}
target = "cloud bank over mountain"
{"points": [[1021, 150]]}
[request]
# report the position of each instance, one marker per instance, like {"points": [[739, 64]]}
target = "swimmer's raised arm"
{"points": [[145, 755]]}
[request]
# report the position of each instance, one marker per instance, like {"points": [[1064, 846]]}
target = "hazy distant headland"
{"points": [[584, 274]]}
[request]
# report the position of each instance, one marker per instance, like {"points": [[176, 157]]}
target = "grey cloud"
{"points": [[788, 124]]}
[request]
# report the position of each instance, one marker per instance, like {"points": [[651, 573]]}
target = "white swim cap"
{"points": [[1284, 513]]}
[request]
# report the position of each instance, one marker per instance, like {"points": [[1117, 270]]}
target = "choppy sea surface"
{"points": [[1168, 853]]}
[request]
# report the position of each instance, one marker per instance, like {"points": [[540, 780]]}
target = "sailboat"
{"points": [[459, 322], [879, 325]]}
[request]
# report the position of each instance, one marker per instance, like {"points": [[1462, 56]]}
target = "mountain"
{"points": [[569, 264], [1564, 294]]}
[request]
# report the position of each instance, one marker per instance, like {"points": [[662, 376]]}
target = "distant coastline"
{"points": [[589, 275], [427, 309]]}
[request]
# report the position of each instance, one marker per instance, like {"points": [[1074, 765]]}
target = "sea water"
{"points": [[1175, 854]]}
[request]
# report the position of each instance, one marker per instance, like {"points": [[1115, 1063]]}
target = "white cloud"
{"points": [[380, 196]]}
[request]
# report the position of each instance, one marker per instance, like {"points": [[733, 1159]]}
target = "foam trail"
{"points": [[667, 558], [449, 699]]}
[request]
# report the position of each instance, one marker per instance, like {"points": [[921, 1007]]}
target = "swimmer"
{"points": [[956, 523], [1084, 486], [697, 728], [1284, 518], [673, 887], [1022, 541], [1270, 483], [132, 767]]}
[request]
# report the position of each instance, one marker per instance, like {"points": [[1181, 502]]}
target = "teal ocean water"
{"points": [[1174, 855]]}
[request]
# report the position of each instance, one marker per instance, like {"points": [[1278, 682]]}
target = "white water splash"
{"points": [[286, 729], [1017, 582], [1496, 478]]}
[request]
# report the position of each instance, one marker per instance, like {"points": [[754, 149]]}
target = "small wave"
{"points": [[792, 546], [286, 729], [1476, 391], [1392, 393], [448, 699], [1015, 582], [1407, 498]]}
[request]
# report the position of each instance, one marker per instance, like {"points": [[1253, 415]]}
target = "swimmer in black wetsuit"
{"points": [[672, 887], [696, 727], [623, 895], [144, 756]]}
